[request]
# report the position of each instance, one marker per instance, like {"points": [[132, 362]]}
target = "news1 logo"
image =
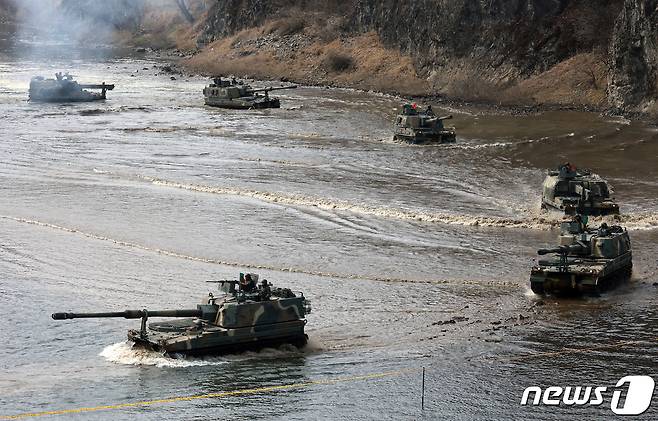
{"points": [[639, 393]]}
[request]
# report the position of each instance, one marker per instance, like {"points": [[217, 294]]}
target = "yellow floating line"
{"points": [[209, 395]]}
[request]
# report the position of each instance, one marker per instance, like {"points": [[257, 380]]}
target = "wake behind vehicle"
{"points": [[247, 316], [235, 94], [586, 261], [575, 191], [421, 127], [64, 89]]}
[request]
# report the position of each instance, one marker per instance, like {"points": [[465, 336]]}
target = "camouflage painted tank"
{"points": [[585, 261], [238, 95], [421, 127], [573, 192], [64, 89], [247, 316]]}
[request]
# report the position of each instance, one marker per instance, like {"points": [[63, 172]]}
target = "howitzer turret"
{"points": [[588, 260], [247, 316]]}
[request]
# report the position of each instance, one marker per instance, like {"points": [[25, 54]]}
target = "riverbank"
{"points": [[190, 62], [317, 52]]}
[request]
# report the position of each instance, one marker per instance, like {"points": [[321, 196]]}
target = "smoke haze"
{"points": [[64, 27]]}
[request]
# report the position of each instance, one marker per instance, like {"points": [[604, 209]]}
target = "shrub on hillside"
{"points": [[338, 62]]}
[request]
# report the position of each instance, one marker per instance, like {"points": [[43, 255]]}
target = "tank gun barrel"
{"points": [[103, 86], [271, 88], [130, 314], [558, 250], [446, 117], [574, 248]]}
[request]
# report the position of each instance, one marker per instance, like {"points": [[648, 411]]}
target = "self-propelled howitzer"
{"points": [[586, 260], [64, 89], [238, 95], [417, 126], [574, 191], [248, 316]]}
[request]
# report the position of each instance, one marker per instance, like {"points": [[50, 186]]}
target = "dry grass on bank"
{"points": [[299, 49], [580, 80]]}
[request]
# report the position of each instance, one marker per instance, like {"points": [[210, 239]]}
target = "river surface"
{"points": [[412, 256]]}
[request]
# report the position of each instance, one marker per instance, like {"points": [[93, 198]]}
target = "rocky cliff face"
{"points": [[228, 17], [459, 44], [531, 35], [608, 44], [634, 56]]}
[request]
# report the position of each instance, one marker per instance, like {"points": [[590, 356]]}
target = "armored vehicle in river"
{"points": [[421, 127], [238, 95], [586, 260], [575, 191], [247, 316], [64, 89]]}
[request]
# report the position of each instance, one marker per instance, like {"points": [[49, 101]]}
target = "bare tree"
{"points": [[185, 11]]}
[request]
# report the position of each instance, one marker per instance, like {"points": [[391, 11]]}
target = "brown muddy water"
{"points": [[412, 256]]}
